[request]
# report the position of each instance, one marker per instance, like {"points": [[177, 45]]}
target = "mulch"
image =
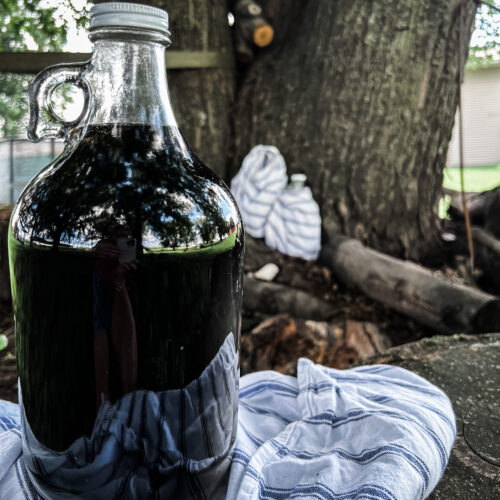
{"points": [[276, 342]]}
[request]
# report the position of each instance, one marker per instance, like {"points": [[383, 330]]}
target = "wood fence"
{"points": [[34, 62]]}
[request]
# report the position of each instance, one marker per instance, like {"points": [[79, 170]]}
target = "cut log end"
{"points": [[263, 35]]}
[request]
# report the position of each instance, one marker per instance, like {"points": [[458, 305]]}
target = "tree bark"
{"points": [[361, 96], [202, 99], [412, 290]]}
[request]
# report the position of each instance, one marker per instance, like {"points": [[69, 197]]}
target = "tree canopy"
{"points": [[36, 25], [485, 43]]}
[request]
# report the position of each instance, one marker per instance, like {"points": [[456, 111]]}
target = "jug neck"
{"points": [[129, 83]]}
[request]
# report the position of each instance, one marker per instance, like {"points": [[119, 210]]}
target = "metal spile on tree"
{"points": [[126, 262]]}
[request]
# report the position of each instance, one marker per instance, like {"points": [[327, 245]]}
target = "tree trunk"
{"points": [[361, 96], [202, 98]]}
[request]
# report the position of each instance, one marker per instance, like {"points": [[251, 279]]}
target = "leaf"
{"points": [[4, 342]]}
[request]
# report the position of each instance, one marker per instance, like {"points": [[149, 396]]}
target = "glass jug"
{"points": [[126, 263]]}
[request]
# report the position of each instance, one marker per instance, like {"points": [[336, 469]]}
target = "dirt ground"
{"points": [[277, 342]]}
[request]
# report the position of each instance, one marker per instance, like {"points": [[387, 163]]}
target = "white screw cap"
{"points": [[133, 15]]}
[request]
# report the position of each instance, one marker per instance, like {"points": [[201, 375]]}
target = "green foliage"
{"points": [[485, 43], [13, 103], [25, 18], [477, 179], [23, 23], [4, 342]]}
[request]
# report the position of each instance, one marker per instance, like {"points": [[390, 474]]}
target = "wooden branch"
{"points": [[251, 25], [484, 208], [247, 8], [274, 298], [401, 285], [257, 30]]}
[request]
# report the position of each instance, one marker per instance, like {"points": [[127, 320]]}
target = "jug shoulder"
{"points": [[159, 193]]}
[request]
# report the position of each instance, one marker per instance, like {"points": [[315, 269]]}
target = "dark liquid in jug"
{"points": [[127, 266]]}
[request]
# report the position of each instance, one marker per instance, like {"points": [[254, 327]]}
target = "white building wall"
{"points": [[481, 119]]}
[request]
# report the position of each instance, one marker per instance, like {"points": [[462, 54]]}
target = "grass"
{"points": [[209, 250], [476, 179]]}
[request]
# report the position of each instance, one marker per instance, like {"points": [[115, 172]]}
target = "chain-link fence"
{"points": [[20, 161]]}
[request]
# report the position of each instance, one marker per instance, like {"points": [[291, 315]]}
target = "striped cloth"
{"points": [[182, 437], [259, 182], [293, 226], [288, 219], [376, 432]]}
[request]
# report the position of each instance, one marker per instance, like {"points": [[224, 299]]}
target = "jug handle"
{"points": [[44, 122]]}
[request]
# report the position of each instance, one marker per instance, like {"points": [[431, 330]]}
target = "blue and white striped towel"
{"points": [[293, 226], [260, 180], [376, 432], [288, 219]]}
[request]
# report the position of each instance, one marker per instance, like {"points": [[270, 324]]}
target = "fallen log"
{"points": [[486, 252], [274, 298], [401, 285]]}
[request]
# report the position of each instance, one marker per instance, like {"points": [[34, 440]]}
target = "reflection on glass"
{"points": [[188, 208], [114, 324]]}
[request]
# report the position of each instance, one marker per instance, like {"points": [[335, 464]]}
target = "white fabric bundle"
{"points": [[294, 224], [262, 177], [287, 218], [378, 432]]}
